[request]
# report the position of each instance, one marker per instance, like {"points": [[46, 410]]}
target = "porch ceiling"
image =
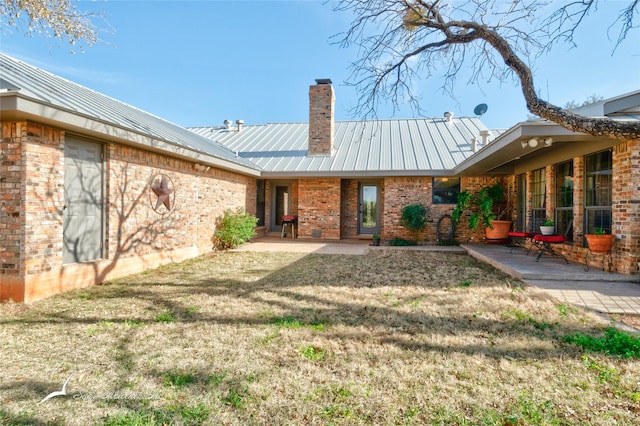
{"points": [[506, 153]]}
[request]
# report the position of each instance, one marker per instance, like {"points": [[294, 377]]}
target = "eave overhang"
{"points": [[502, 156], [15, 106]]}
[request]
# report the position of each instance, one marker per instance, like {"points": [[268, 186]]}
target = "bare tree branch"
{"points": [[404, 40]]}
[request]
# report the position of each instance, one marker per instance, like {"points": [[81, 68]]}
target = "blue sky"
{"points": [[197, 63]]}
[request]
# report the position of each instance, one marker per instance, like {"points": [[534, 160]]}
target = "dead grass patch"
{"points": [[392, 337]]}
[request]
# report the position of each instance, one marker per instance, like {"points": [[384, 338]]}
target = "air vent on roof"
{"points": [[448, 115], [227, 124]]}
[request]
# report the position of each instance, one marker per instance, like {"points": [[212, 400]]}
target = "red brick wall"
{"points": [[349, 208], [626, 206], [136, 237], [10, 198], [319, 208], [321, 119]]}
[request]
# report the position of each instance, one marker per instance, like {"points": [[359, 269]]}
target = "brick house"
{"points": [[92, 189]]}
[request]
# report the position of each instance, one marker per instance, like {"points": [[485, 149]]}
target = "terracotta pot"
{"points": [[599, 243], [500, 230]]}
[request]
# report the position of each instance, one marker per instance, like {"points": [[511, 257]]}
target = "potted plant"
{"points": [[376, 239], [548, 228], [599, 242], [489, 202]]}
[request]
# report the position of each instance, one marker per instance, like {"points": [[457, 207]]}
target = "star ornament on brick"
{"points": [[162, 187]]}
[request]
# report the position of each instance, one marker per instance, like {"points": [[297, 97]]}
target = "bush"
{"points": [[233, 229], [414, 218]]}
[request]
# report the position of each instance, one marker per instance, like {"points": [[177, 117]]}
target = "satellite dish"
{"points": [[480, 109]]}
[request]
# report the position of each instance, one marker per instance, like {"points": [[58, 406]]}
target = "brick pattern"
{"points": [[32, 198], [349, 208], [319, 208], [626, 206], [321, 119], [134, 228], [10, 197]]}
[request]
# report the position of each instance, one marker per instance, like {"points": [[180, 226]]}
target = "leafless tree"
{"points": [[60, 19], [401, 41]]}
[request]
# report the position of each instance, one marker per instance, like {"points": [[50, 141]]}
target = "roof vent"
{"points": [[239, 123], [227, 124], [448, 115]]}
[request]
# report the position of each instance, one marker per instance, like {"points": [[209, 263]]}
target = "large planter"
{"points": [[500, 230], [599, 243], [547, 230]]}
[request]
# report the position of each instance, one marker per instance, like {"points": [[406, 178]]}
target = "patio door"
{"points": [[280, 203], [369, 208]]}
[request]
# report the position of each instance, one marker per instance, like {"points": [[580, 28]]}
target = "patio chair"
{"points": [[519, 239], [546, 243]]}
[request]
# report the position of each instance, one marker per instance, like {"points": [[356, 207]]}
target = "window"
{"points": [[598, 179], [564, 198], [260, 203], [538, 198], [445, 190]]}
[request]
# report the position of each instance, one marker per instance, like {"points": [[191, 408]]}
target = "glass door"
{"points": [[369, 209], [280, 205]]}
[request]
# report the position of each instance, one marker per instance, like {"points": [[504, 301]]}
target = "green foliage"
{"points": [[313, 353], [397, 241], [614, 342], [486, 201], [414, 218], [173, 379], [548, 222], [165, 316], [233, 229], [599, 231]]}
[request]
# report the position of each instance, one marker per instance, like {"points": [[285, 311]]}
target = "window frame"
{"points": [[600, 211], [452, 195]]}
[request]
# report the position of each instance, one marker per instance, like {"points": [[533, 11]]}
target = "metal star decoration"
{"points": [[163, 191]]}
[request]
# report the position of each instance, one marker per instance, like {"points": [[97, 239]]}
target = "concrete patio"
{"points": [[596, 290]]}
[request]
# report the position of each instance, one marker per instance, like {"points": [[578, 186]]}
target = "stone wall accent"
{"points": [[319, 208]]}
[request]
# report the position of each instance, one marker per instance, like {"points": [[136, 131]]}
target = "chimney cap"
{"points": [[323, 81]]}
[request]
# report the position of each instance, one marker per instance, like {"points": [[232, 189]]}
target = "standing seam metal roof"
{"points": [[376, 147], [58, 92]]}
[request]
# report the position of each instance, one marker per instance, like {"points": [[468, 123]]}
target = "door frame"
{"points": [[369, 231], [273, 208]]}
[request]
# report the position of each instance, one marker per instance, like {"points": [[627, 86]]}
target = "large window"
{"points": [[445, 190], [564, 199], [598, 179], [538, 198]]}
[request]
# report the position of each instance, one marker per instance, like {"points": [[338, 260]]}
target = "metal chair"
{"points": [[545, 243]]}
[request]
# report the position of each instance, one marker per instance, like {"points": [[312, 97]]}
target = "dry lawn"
{"points": [[392, 337]]}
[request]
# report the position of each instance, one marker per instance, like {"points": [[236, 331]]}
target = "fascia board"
{"points": [[15, 106], [346, 174]]}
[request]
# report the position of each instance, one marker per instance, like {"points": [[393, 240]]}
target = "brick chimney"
{"points": [[321, 101]]}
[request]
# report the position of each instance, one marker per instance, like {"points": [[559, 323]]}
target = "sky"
{"points": [[198, 63]]}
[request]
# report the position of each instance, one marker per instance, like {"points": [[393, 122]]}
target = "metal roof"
{"points": [[20, 79], [398, 147]]}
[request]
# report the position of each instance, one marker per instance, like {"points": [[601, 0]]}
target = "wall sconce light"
{"points": [[548, 141]]}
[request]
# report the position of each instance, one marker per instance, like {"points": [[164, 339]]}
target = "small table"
{"points": [[291, 220], [544, 245]]}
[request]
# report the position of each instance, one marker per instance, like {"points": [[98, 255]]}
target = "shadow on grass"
{"points": [[166, 290]]}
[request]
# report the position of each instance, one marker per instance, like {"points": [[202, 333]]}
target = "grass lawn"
{"points": [[392, 337]]}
